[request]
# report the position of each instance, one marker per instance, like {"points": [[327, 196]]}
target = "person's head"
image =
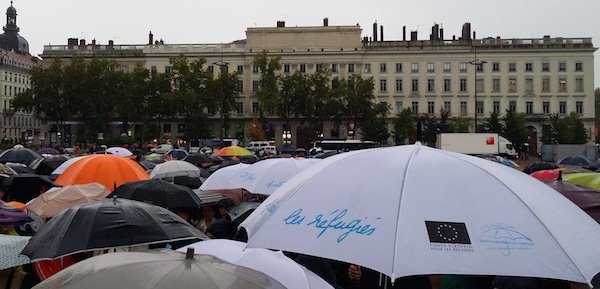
{"points": [[208, 212], [221, 229], [182, 212]]}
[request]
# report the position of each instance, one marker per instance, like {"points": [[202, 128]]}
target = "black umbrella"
{"points": [[187, 181], [539, 166], [47, 165], [19, 154], [158, 192], [24, 187], [20, 168], [110, 223]]}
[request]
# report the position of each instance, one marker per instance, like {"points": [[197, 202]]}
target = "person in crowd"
{"points": [[222, 206], [208, 217], [356, 276], [221, 229]]}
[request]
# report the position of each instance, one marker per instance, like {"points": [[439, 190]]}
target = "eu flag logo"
{"points": [[447, 232]]}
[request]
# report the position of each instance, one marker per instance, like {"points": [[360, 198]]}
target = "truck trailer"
{"points": [[476, 144]]}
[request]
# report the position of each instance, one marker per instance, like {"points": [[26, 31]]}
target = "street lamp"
{"points": [[222, 65], [478, 66]]}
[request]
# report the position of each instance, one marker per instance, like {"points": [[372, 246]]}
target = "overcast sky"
{"points": [[44, 22]]}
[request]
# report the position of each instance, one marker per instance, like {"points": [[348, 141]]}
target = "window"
{"points": [[479, 85], [479, 107], [545, 84], [240, 68], [414, 67], [496, 106], [240, 85], [579, 107], [334, 67], [255, 107], [546, 107], [368, 67], [562, 84], [512, 105], [545, 66], [254, 86], [528, 66], [430, 107], [351, 67], [303, 68], [529, 84], [286, 68], [415, 84], [463, 107], [167, 69], [430, 67], [463, 84], [562, 107], [463, 67], [512, 84], [399, 107], [529, 107], [430, 84], [398, 84], [447, 67], [415, 107], [447, 86], [448, 107], [512, 67], [562, 66], [383, 85], [578, 66], [239, 107], [319, 67], [383, 67], [211, 68], [479, 66], [496, 66], [578, 84], [496, 84], [254, 68], [398, 67]]}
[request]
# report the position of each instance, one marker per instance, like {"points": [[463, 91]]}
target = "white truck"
{"points": [[476, 144]]}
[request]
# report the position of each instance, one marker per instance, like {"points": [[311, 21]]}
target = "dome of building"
{"points": [[10, 39]]}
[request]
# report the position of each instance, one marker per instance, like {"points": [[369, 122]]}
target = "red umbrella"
{"points": [[545, 175]]}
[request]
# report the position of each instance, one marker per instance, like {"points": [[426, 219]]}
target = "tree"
{"points": [[256, 132], [460, 124], [268, 89], [430, 129], [404, 127], [360, 106], [376, 129], [516, 127], [493, 124], [575, 128]]}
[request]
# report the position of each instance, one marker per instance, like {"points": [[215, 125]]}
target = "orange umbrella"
{"points": [[107, 169], [231, 151]]}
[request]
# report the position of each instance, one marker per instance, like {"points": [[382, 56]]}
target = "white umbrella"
{"points": [[10, 251], [120, 151], [265, 176], [410, 210], [273, 263], [175, 168], [218, 179], [163, 269], [60, 169]]}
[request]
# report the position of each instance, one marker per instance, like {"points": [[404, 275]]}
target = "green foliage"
{"points": [[567, 130], [493, 124], [268, 89], [515, 127], [404, 127], [376, 129], [460, 124]]}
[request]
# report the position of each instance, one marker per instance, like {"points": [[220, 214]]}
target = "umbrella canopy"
{"points": [[110, 223], [24, 187], [62, 167], [272, 263], [538, 166], [577, 160], [175, 168], [232, 151], [154, 157], [177, 154], [587, 199], [19, 154], [241, 211], [190, 182], [21, 168], [12, 216], [456, 213], [47, 165], [590, 180], [265, 176], [10, 251], [56, 200], [218, 179], [48, 151], [120, 151], [107, 169], [203, 160], [158, 269], [545, 175], [6, 170], [160, 193]]}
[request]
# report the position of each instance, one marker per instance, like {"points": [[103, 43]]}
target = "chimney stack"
{"points": [[150, 38], [381, 31], [413, 35], [325, 22], [280, 23], [403, 33], [375, 31]]}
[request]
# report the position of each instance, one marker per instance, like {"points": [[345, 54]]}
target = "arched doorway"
{"points": [[532, 140]]}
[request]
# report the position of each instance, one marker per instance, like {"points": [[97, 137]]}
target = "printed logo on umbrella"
{"points": [[449, 237]]}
